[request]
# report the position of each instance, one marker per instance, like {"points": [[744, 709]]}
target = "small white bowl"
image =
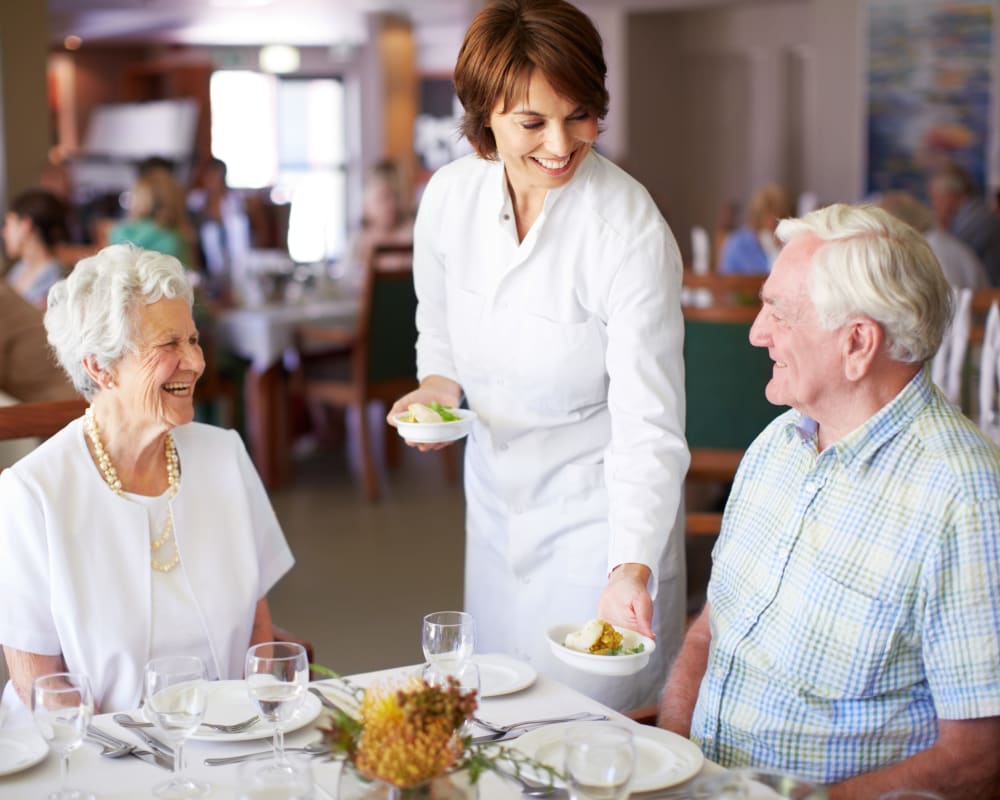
{"points": [[434, 432], [601, 665]]}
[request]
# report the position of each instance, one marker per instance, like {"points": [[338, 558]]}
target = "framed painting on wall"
{"points": [[929, 90]]}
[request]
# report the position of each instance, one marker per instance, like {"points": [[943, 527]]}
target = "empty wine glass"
{"points": [[448, 639], [277, 674], [63, 705], [175, 701], [599, 761]]}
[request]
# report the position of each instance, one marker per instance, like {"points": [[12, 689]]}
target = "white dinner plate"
{"points": [[435, 432], [500, 674], [662, 758], [228, 702], [20, 748], [627, 664]]}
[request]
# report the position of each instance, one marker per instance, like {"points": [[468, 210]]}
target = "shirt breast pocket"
{"points": [[841, 640], [560, 365]]}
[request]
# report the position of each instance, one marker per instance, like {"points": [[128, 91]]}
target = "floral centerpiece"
{"points": [[408, 733]]}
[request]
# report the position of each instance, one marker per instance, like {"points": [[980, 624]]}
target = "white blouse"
{"points": [[76, 580]]}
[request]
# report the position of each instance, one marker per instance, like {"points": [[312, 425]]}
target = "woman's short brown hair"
{"points": [[507, 41]]}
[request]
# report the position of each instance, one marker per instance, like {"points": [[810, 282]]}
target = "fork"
{"points": [[578, 717], [235, 727]]}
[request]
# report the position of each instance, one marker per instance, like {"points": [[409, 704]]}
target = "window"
{"points": [[287, 133]]}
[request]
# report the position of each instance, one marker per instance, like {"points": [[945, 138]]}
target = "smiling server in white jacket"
{"points": [[548, 285]]}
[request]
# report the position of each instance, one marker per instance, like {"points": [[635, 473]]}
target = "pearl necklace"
{"points": [[111, 478]]}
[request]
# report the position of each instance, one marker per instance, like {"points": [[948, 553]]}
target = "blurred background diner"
{"points": [[271, 120]]}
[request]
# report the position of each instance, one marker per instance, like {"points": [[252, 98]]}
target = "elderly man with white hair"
{"points": [[852, 631]]}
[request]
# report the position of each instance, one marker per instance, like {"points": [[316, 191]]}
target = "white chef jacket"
{"points": [[568, 345], [75, 574]]}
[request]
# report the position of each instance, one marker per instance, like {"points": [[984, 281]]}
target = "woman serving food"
{"points": [[548, 287], [134, 532]]}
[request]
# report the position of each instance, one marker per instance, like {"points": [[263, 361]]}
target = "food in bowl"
{"points": [[432, 412], [603, 639]]}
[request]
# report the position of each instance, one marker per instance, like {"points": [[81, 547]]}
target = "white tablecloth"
{"points": [[263, 334], [128, 778]]}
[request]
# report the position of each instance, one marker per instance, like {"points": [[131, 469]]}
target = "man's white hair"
{"points": [[872, 265]]}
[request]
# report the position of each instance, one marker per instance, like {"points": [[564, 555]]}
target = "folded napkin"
{"points": [[988, 419], [947, 366]]}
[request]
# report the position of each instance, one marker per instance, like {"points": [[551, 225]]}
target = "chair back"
{"points": [[725, 378], [37, 420], [387, 321]]}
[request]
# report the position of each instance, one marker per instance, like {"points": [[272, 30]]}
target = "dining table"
{"points": [[128, 778], [264, 334]]}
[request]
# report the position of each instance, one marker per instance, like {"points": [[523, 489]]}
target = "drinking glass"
{"points": [[599, 761], [466, 677], [448, 639], [277, 675], [63, 705], [175, 694], [294, 783]]}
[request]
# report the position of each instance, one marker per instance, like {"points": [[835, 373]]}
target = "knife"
{"points": [[151, 740], [152, 757]]}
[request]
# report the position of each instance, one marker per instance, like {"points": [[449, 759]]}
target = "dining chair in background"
{"points": [[724, 381], [376, 360], [37, 420]]}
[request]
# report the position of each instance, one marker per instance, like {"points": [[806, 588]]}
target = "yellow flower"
{"points": [[409, 733]]}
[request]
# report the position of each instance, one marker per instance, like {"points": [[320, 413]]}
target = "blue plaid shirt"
{"points": [[855, 593]]}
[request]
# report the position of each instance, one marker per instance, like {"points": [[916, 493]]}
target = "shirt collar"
{"points": [[860, 445], [580, 177]]}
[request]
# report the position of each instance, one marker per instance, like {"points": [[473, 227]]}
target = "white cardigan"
{"points": [[75, 559]]}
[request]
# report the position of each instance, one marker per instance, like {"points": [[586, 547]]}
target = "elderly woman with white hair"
{"points": [[134, 532]]}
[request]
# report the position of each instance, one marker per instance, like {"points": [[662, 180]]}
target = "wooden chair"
{"points": [[348, 368], [717, 289], [38, 420]]}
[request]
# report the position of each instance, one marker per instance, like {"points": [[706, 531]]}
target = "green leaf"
{"points": [[443, 412]]}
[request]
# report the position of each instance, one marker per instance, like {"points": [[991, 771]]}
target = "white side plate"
{"points": [[228, 702], [20, 748], [500, 674]]}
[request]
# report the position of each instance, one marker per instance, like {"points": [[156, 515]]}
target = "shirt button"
{"points": [[709, 740], [506, 217]]}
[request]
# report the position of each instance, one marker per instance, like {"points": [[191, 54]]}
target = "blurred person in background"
{"points": [[223, 228], [157, 217], [961, 210], [549, 300], [752, 248], [28, 372], [960, 265], [385, 217], [34, 225]]}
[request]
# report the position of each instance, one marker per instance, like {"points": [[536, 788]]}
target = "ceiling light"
{"points": [[279, 58]]}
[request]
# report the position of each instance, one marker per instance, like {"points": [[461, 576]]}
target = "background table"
{"points": [[262, 335]]}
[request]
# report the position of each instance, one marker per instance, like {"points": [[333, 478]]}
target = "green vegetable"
{"points": [[621, 651], [444, 413]]}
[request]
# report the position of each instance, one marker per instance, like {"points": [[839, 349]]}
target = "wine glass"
{"points": [[175, 701], [599, 761], [277, 674], [466, 677], [63, 705], [448, 639]]}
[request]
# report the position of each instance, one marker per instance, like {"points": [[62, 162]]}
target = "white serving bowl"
{"points": [[601, 665], [435, 432]]}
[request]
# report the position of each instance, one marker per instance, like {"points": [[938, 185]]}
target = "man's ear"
{"points": [[864, 338]]}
